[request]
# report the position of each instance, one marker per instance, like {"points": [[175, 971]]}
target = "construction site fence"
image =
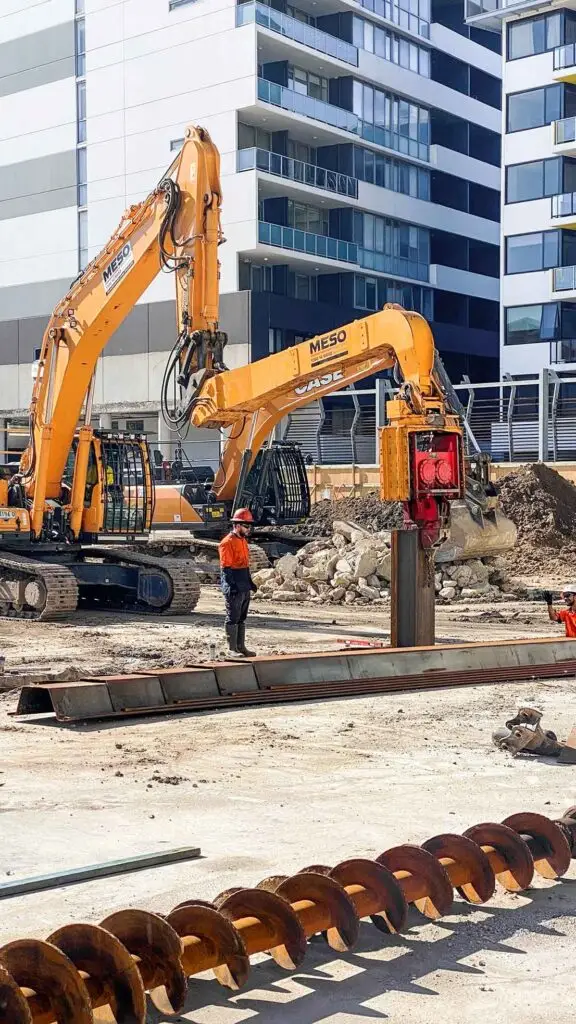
{"points": [[530, 420]]}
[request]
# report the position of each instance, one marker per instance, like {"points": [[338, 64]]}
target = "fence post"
{"points": [[543, 413]]}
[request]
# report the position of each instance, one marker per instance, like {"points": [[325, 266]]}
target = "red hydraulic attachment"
{"points": [[436, 478]]}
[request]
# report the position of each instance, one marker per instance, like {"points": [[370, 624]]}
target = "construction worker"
{"points": [[236, 581], [566, 615]]}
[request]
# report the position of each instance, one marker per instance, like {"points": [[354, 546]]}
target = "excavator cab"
{"points": [[276, 487]]}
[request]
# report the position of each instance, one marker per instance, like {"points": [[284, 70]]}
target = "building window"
{"points": [[464, 78], [307, 218], [534, 35], [394, 238], [251, 137], [539, 250], [372, 293], [396, 175], [82, 239], [307, 83], [299, 151], [530, 325], [82, 174], [389, 46], [382, 108], [537, 107], [534, 180], [176, 144], [81, 110], [173, 4], [413, 15], [80, 47]]}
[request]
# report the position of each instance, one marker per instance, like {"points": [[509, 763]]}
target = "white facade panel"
{"points": [[524, 289], [532, 144], [464, 283], [525, 359], [458, 46], [30, 111], [520, 218], [55, 246], [463, 166], [19, 20], [528, 72]]}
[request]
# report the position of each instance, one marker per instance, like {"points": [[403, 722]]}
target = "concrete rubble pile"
{"points": [[353, 566]]}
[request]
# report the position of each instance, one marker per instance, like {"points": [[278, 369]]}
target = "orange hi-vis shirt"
{"points": [[234, 552], [569, 620]]}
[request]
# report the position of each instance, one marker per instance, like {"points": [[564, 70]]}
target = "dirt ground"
{"points": [[268, 791]]}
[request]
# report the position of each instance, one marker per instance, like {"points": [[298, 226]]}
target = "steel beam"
{"points": [[412, 591]]}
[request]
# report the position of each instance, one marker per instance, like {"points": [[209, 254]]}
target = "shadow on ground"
{"points": [[329, 984]]}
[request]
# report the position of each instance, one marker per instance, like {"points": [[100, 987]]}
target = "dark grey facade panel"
{"points": [[161, 326], [8, 342], [37, 59], [148, 328], [35, 299], [35, 186], [131, 337], [30, 334]]}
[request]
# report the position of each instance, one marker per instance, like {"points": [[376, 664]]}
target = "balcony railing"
{"points": [[564, 205], [385, 264], [306, 241], [564, 56], [315, 38], [319, 110], [564, 279], [565, 130], [297, 170]]}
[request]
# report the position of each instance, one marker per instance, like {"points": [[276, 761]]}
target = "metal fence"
{"points": [[512, 420]]}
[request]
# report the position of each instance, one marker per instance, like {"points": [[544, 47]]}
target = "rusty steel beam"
{"points": [[82, 967], [412, 606]]}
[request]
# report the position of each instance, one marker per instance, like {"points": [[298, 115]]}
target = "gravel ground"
{"points": [[271, 790]]}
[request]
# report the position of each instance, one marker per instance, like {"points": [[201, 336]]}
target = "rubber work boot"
{"points": [[233, 649], [241, 645]]}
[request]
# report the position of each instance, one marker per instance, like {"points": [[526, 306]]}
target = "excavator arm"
{"points": [[421, 447], [176, 228]]}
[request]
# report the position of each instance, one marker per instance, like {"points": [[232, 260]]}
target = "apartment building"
{"points": [[538, 285], [360, 146]]}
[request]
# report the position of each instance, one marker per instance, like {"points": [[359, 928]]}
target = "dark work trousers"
{"points": [[237, 606]]}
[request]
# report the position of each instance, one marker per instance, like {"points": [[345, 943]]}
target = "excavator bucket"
{"points": [[479, 535]]}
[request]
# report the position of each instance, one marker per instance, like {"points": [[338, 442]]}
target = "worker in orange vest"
{"points": [[566, 615], [236, 581]]}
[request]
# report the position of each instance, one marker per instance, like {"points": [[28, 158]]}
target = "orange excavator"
{"points": [[69, 518]]}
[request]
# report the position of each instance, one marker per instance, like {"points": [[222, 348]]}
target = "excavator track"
{"points": [[198, 545], [48, 591], [185, 582]]}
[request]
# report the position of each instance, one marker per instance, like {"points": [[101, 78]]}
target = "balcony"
{"points": [[565, 136], [398, 265], [564, 206], [291, 28], [490, 13], [307, 242], [564, 282], [565, 63], [297, 170], [319, 110], [563, 351]]}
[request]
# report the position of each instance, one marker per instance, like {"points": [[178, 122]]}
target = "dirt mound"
{"points": [[368, 511], [543, 505]]}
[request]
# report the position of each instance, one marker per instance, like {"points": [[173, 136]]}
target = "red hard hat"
{"points": [[242, 515]]}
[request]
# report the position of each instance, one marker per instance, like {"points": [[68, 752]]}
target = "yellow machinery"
{"points": [[79, 486]]}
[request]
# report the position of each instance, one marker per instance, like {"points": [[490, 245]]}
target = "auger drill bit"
{"points": [[82, 967]]}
